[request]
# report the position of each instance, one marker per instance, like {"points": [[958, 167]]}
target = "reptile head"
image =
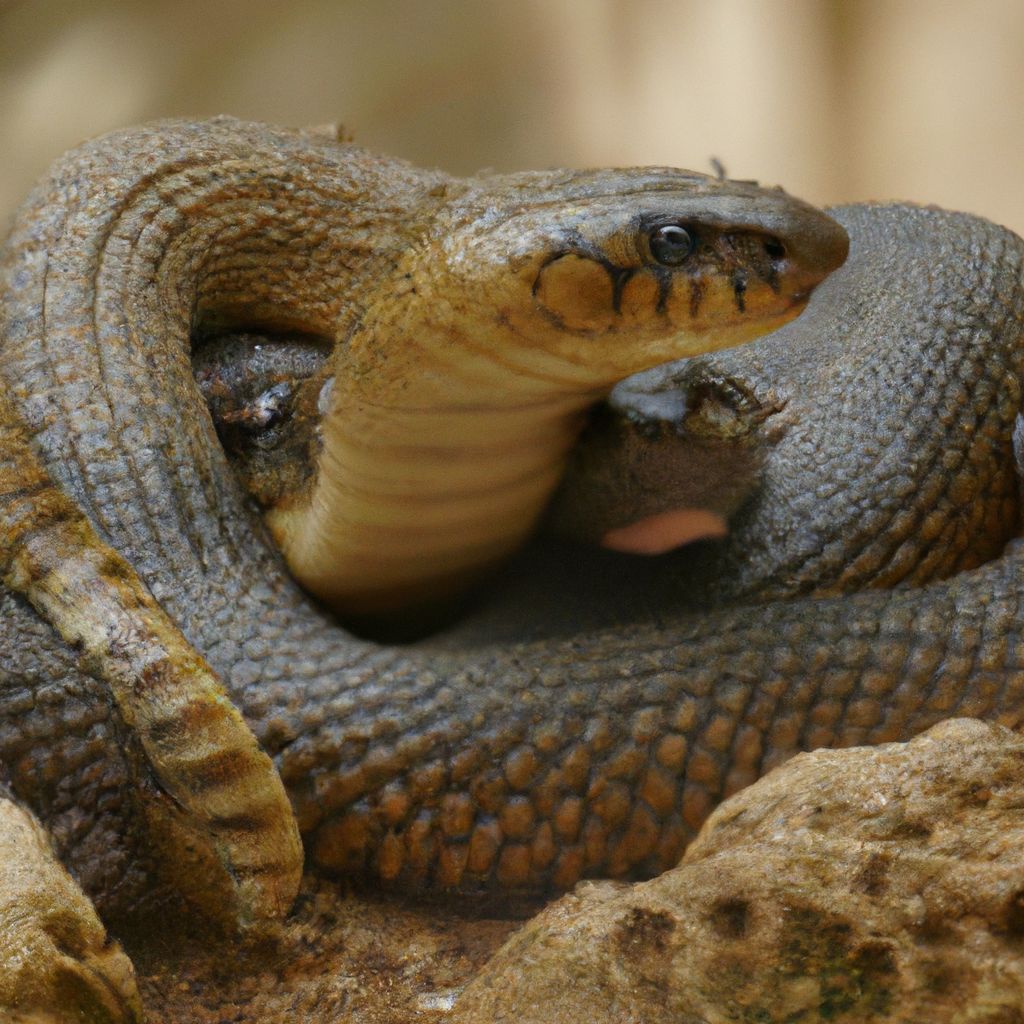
{"points": [[438, 425], [590, 276]]}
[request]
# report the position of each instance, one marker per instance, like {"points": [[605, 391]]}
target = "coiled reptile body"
{"points": [[475, 765]]}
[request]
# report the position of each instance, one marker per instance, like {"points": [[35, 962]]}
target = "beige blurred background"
{"points": [[920, 99]]}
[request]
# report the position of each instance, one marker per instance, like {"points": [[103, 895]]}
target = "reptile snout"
{"points": [[819, 247], [803, 244]]}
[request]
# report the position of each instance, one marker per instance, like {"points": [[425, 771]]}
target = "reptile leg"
{"points": [[222, 813], [57, 964]]}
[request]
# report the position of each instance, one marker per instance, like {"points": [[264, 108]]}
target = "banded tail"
{"points": [[226, 804]]}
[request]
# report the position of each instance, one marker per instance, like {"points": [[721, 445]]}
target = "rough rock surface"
{"points": [[57, 950], [867, 884]]}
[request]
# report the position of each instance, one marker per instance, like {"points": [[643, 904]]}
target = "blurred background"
{"points": [[917, 99]]}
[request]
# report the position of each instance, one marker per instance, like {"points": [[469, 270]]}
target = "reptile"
{"points": [[592, 743], [398, 362]]}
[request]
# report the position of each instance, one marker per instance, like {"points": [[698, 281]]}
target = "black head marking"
{"points": [[739, 288]]}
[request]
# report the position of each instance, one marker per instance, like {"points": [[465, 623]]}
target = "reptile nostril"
{"points": [[774, 248]]}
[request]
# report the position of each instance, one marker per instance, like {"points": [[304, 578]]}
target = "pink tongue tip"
{"points": [[654, 535]]}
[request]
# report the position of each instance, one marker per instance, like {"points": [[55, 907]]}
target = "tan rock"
{"points": [[869, 884], [57, 964]]}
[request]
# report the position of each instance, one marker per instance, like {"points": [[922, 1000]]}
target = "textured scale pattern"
{"points": [[918, 386], [465, 764]]}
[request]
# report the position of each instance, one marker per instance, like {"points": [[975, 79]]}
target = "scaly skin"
{"points": [[467, 324], [218, 789], [471, 764], [465, 313]]}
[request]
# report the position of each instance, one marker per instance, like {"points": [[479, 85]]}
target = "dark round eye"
{"points": [[671, 244]]}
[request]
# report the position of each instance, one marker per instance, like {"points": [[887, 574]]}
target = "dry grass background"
{"points": [[919, 99]]}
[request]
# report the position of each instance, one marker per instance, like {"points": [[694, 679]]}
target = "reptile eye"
{"points": [[671, 244]]}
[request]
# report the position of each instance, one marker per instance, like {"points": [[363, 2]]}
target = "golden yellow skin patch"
{"points": [[578, 292], [458, 395]]}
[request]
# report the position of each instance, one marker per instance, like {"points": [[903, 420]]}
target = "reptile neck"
{"points": [[413, 504]]}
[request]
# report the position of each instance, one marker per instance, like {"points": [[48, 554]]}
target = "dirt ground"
{"points": [[341, 956]]}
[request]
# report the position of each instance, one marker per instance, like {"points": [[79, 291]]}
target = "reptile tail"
{"points": [[217, 793]]}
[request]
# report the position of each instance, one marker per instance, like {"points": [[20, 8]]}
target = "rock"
{"points": [[57, 964], [868, 884]]}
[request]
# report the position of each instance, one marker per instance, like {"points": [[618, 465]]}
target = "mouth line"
{"points": [[793, 302]]}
